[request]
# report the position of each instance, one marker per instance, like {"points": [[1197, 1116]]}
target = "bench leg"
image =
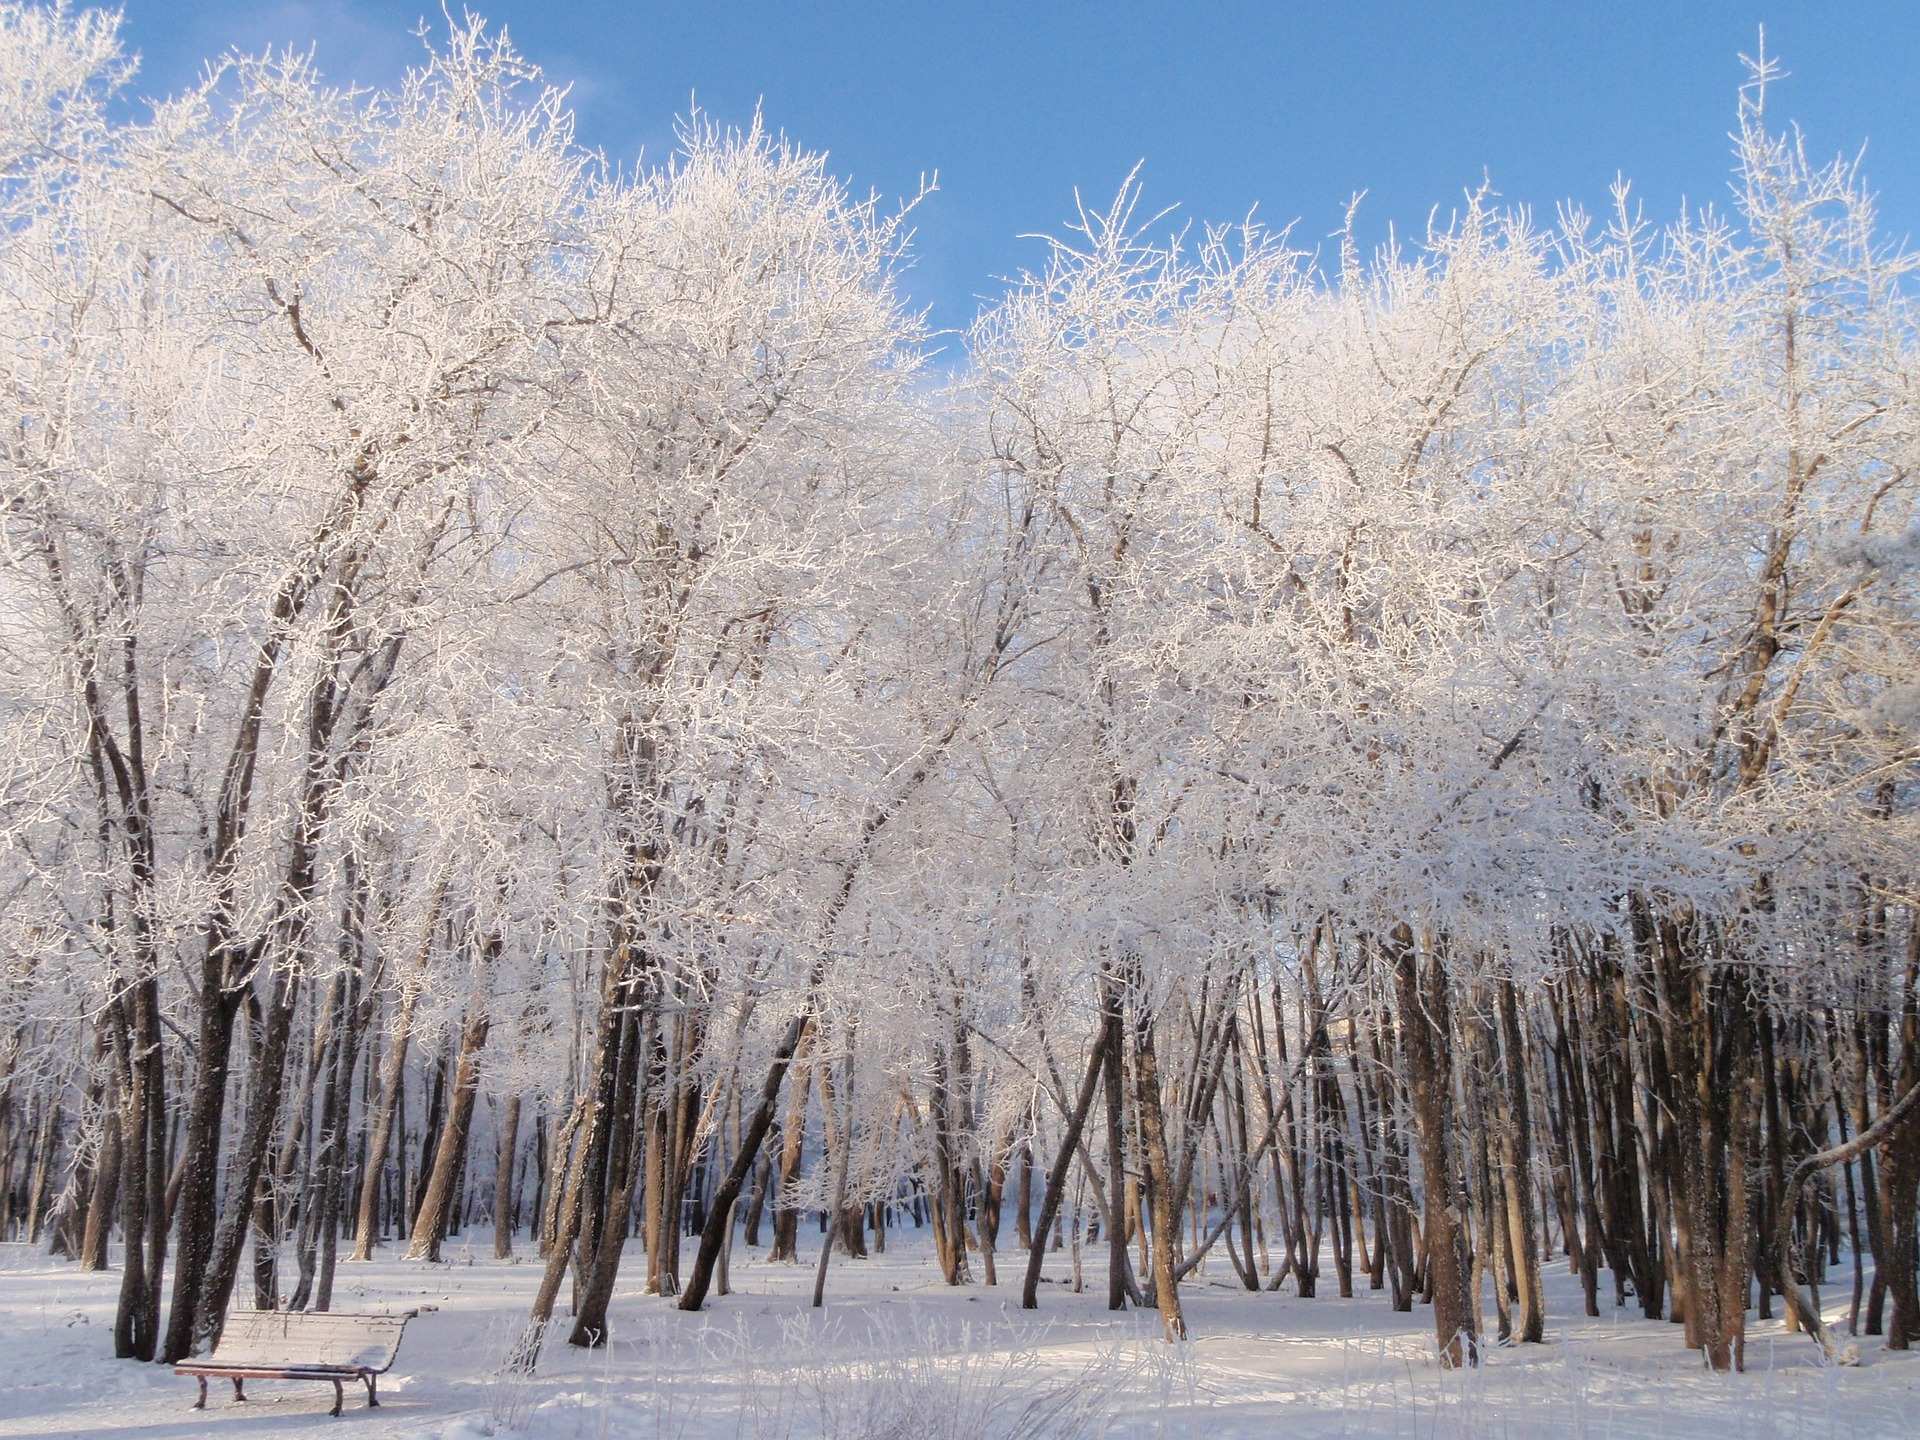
{"points": [[238, 1393], [373, 1400], [338, 1396], [201, 1403]]}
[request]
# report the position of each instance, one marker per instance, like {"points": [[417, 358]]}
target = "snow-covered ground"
{"points": [[897, 1354]]}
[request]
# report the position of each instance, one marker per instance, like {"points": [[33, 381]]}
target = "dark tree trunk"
{"points": [[430, 1224], [1425, 1035], [503, 1178], [1062, 1162]]}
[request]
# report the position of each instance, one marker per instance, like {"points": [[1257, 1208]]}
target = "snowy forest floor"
{"points": [[897, 1354]]}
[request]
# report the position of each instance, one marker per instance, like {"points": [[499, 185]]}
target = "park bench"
{"points": [[296, 1345]]}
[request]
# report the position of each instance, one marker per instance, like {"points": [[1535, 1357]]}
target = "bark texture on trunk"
{"points": [[1425, 1038], [430, 1224]]}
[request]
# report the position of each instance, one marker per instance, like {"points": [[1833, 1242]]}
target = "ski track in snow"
{"points": [[897, 1353]]}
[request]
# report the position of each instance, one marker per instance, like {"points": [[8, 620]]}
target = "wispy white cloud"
{"points": [[359, 42]]}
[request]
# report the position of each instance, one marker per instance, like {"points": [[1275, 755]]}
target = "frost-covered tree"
{"points": [[522, 701]]}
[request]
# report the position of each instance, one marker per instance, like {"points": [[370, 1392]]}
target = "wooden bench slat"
{"points": [[282, 1339]]}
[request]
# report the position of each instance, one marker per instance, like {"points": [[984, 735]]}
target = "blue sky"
{"points": [[1291, 107]]}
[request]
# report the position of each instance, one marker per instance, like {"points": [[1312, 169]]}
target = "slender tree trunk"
{"points": [[575, 1139], [626, 1108], [842, 1144], [1166, 1219], [333, 1154], [503, 1178], [793, 1132], [1425, 1032], [720, 1216], [105, 1182], [194, 1213], [1516, 1157], [1062, 1162], [430, 1224], [268, 1073]]}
